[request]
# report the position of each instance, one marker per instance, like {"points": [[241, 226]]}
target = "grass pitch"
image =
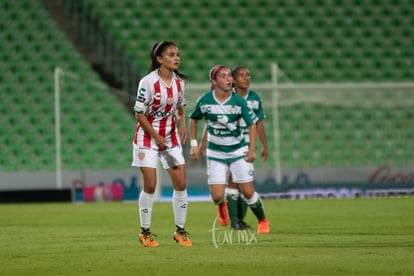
{"points": [[308, 237]]}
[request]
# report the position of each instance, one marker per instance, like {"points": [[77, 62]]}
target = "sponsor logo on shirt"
{"points": [[160, 113], [222, 119]]}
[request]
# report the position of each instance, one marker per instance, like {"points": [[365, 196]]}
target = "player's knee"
{"points": [[252, 199], [149, 189], [248, 194], [180, 186], [217, 199]]}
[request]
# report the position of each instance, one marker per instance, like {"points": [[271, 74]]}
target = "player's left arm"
{"points": [[251, 119], [260, 127], [195, 151], [181, 125], [203, 142], [250, 155], [262, 137]]}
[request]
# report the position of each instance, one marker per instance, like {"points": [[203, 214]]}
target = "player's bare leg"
{"points": [[180, 204]]}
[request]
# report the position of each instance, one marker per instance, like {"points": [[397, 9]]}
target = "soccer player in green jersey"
{"points": [[228, 152], [237, 206]]}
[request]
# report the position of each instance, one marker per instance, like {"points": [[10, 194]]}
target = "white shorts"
{"points": [[147, 157], [218, 172]]}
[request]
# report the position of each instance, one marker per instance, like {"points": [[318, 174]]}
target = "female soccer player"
{"points": [[236, 204], [160, 102], [227, 150]]}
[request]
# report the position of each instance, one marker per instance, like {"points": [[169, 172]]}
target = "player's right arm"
{"points": [[203, 142], [146, 125], [195, 115], [141, 105]]}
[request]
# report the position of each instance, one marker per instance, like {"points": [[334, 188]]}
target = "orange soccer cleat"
{"points": [[263, 226], [147, 238], [181, 236], [223, 214]]}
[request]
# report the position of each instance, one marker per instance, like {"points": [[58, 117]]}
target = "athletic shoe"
{"points": [[147, 238], [240, 225], [181, 236], [263, 226], [223, 214]]}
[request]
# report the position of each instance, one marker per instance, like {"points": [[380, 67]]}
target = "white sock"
{"points": [[145, 203], [234, 193], [180, 204], [254, 199]]}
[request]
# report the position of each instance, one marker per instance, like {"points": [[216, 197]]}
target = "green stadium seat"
{"points": [[311, 43], [32, 54]]}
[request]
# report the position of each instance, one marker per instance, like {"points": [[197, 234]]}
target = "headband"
{"points": [[214, 71], [157, 47]]}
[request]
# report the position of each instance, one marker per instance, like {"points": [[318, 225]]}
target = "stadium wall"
{"points": [[296, 184]]}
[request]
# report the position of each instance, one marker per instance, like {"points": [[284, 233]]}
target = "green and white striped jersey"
{"points": [[225, 138], [255, 103]]}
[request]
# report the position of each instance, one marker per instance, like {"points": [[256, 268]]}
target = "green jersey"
{"points": [[225, 136], [255, 103]]}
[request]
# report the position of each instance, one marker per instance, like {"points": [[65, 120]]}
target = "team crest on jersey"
{"points": [[170, 100], [141, 155], [233, 109], [157, 96]]}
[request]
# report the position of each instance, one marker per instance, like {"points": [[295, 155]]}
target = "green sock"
{"points": [[258, 209], [242, 207], [232, 206]]}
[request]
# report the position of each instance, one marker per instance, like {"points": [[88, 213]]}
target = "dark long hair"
{"points": [[157, 50], [236, 70]]}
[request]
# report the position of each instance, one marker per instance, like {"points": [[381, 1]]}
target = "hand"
{"points": [[202, 148], [183, 134], [161, 143], [195, 152], [264, 154], [250, 156]]}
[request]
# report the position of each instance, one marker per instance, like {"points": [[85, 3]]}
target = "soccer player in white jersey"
{"points": [[160, 103], [228, 152]]}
